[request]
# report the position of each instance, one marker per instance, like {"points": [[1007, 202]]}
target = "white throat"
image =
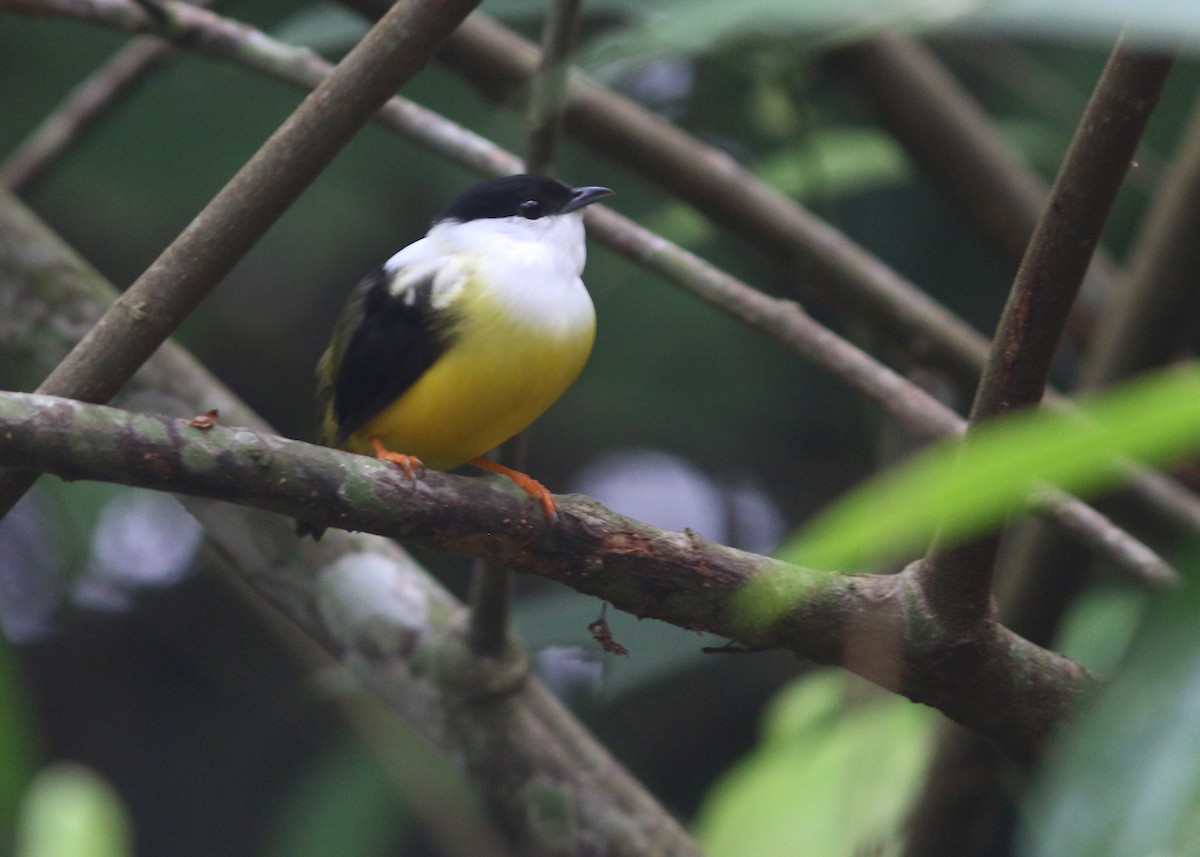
{"points": [[556, 242], [528, 269]]}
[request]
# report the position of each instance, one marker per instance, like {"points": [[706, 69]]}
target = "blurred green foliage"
{"points": [[69, 811], [1125, 779], [832, 774]]}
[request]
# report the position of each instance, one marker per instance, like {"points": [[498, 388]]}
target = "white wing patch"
{"points": [[416, 266]]}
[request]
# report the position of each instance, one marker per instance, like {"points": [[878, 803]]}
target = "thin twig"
{"points": [[550, 86], [875, 625], [395, 49], [84, 106], [957, 581], [783, 321], [491, 586]]}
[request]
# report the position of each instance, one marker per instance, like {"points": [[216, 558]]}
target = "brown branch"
{"points": [[1022, 73], [395, 49], [1070, 228], [1045, 572], [359, 597], [783, 321], [957, 581], [991, 680]]}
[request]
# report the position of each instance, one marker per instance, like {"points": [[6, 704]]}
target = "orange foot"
{"points": [[532, 487], [408, 464]]}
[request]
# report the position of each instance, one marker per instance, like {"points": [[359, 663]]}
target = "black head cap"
{"points": [[529, 196]]}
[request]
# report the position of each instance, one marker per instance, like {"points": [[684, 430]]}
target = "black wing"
{"points": [[390, 347]]}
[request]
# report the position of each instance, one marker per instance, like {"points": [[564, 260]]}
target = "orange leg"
{"points": [[408, 464], [532, 487]]}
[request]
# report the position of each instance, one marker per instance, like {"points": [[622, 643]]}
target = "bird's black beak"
{"points": [[581, 196]]}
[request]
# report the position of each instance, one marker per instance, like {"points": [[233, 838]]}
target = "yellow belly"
{"points": [[486, 388]]}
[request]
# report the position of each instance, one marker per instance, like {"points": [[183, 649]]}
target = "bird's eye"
{"points": [[530, 209]]}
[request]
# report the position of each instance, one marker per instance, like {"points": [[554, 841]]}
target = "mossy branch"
{"points": [[990, 680]]}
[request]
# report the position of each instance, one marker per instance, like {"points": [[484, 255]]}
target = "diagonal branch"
{"points": [[949, 136], [395, 49], [957, 581], [990, 680], [947, 817]]}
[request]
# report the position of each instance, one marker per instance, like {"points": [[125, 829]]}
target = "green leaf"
{"points": [[1125, 779], [968, 487], [69, 811], [830, 776]]}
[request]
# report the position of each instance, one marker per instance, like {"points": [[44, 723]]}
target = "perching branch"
{"points": [[992, 680], [781, 320], [957, 581], [395, 49]]}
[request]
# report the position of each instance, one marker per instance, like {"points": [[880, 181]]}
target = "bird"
{"points": [[463, 338]]}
